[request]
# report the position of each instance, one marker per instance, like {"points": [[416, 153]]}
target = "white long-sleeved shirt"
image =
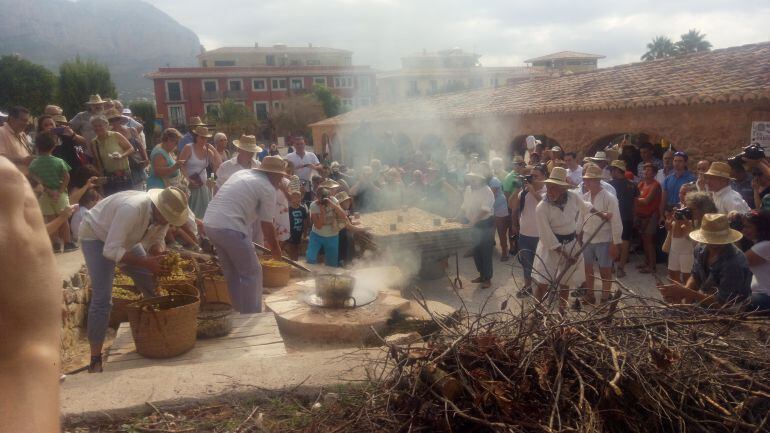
{"points": [[728, 200], [478, 202], [552, 220], [231, 166], [603, 202], [121, 221], [247, 197]]}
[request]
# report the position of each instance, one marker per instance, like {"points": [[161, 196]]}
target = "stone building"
{"points": [[703, 103], [566, 62]]}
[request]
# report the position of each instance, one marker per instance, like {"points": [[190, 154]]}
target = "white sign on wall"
{"points": [[760, 133]]}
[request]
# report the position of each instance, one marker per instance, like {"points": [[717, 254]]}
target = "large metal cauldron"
{"points": [[335, 289]]}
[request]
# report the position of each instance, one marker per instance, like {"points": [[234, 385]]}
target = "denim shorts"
{"points": [[599, 252]]}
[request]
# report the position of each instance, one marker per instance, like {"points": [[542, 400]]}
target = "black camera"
{"points": [[736, 223], [527, 178], [752, 152], [684, 213]]}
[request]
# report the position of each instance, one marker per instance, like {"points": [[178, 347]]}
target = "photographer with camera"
{"points": [[679, 223], [530, 196], [324, 215]]}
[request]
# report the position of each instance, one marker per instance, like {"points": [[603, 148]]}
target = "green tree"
{"points": [[145, 110], [296, 113], [233, 119], [78, 80], [330, 103], [660, 48], [25, 83], [693, 42]]}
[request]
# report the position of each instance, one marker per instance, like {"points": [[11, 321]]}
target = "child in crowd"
{"points": [[53, 174], [298, 218]]}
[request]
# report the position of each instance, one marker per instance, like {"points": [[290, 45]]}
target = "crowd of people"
{"points": [[567, 224]]}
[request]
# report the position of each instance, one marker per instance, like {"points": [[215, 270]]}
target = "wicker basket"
{"points": [[275, 274], [215, 289], [180, 288], [164, 327]]}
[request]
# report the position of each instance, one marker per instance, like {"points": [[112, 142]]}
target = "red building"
{"points": [[260, 78]]}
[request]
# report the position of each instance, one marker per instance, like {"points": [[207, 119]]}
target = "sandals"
{"points": [[96, 364]]}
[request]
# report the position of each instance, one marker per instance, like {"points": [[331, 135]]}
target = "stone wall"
{"points": [[75, 299], [713, 131]]}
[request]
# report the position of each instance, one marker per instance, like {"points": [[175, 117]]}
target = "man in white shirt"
{"points": [[478, 203], [248, 197], [605, 244], [243, 160], [574, 170], [304, 163], [111, 233], [717, 180]]}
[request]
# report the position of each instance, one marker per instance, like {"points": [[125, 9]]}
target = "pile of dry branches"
{"points": [[633, 365]]}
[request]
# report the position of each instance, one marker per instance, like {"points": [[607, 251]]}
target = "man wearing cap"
{"points": [[720, 274], [248, 197], [81, 123], [601, 240], [111, 233], [674, 181], [560, 266], [243, 160], [627, 192], [14, 142], [717, 180]]}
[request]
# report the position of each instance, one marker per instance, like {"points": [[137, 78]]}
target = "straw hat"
{"points": [[334, 166], [592, 171], [202, 131], [196, 121], [715, 230], [619, 164], [558, 177], [52, 110], [59, 118], [171, 203], [719, 169], [95, 99], [247, 143], [272, 164], [342, 196], [113, 114], [329, 183], [475, 175], [600, 156]]}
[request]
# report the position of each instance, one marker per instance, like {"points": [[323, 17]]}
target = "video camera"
{"points": [[752, 152]]}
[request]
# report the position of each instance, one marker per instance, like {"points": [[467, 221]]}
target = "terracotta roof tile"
{"points": [[730, 74]]}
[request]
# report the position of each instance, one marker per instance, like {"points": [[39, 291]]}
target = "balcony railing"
{"points": [[215, 95], [238, 95]]}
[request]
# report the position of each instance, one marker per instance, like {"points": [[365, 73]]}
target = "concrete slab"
{"points": [[253, 335]]}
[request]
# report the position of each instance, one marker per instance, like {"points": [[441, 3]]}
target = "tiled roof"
{"points": [[726, 75], [257, 71], [565, 55]]}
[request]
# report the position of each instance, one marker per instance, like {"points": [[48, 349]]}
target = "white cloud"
{"points": [[379, 32]]}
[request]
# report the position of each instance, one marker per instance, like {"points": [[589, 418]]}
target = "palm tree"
{"points": [[660, 48], [693, 42]]}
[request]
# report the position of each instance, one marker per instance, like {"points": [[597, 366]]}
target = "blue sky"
{"points": [[379, 32]]}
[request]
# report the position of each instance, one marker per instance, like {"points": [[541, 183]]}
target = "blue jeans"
{"points": [[101, 270], [330, 244], [240, 267], [527, 248]]}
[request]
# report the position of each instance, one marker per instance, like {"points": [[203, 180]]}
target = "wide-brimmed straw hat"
{"points": [[715, 230], [329, 183], [60, 119], [272, 164], [558, 177], [171, 203], [719, 169], [342, 196], [247, 143], [600, 156], [196, 121], [619, 164], [202, 131], [112, 114], [95, 99], [592, 171], [52, 110]]}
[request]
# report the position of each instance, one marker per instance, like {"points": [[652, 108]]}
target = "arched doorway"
{"points": [[432, 147], [473, 143]]}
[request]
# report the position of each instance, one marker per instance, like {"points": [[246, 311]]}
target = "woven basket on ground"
{"points": [[215, 289], [119, 312], [178, 288], [275, 273], [164, 327]]}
